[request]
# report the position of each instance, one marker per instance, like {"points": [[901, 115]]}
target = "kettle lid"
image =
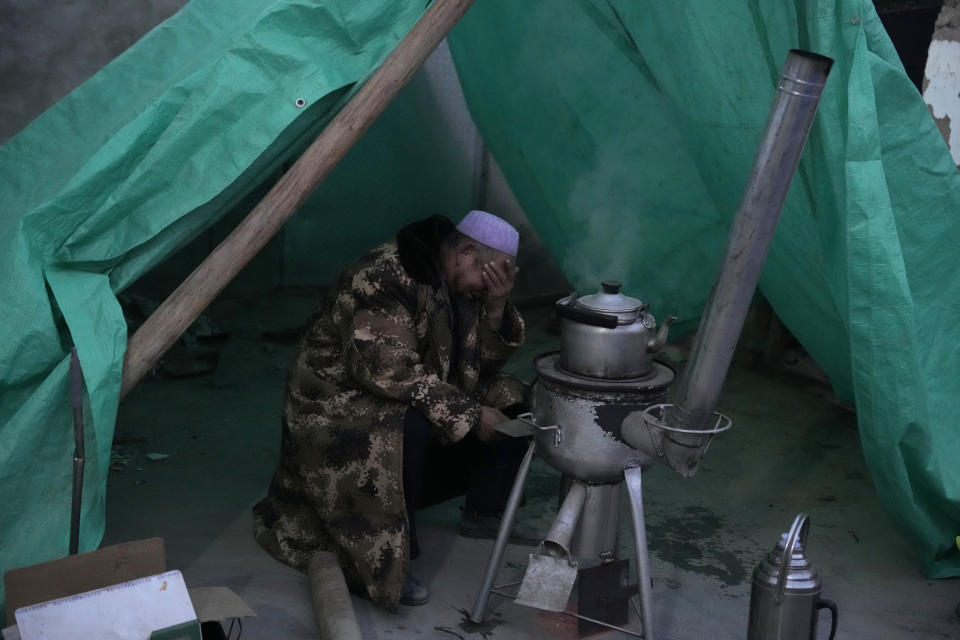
{"points": [[610, 300]]}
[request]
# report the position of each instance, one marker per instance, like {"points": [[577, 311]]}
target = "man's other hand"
{"points": [[489, 418]]}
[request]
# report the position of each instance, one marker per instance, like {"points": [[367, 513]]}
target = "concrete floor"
{"points": [[791, 449]]}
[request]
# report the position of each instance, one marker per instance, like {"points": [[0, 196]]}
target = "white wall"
{"points": [[941, 77]]}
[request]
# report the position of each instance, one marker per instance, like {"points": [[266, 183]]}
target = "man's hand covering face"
{"points": [[498, 276]]}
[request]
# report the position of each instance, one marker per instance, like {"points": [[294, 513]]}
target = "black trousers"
{"points": [[433, 473]]}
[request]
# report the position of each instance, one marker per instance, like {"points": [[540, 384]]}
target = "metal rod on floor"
{"points": [[635, 491], [178, 312], [603, 624], [506, 524]]}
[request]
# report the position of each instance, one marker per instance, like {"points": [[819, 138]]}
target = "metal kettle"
{"points": [[785, 598], [608, 335]]}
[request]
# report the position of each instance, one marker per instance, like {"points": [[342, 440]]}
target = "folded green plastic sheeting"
{"points": [[117, 176], [627, 130]]}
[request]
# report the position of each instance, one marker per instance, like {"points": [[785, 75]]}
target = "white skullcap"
{"points": [[490, 230]]}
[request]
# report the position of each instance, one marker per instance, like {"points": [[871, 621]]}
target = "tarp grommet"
{"points": [[300, 102]]}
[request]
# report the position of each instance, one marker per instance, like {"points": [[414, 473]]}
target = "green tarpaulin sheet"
{"points": [[626, 129], [118, 175]]}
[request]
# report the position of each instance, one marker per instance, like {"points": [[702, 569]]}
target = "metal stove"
{"points": [[605, 410]]}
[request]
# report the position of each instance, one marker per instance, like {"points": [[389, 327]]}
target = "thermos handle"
{"points": [[800, 528], [823, 603]]}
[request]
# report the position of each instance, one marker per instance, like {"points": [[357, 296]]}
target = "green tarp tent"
{"points": [[625, 129]]}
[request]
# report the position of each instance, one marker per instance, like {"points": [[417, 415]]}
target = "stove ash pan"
{"points": [[590, 412]]}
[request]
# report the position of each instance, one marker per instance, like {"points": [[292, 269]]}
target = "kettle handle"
{"points": [[800, 529], [565, 309], [823, 603]]}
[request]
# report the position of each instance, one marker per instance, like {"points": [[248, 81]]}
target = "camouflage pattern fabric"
{"points": [[383, 341]]}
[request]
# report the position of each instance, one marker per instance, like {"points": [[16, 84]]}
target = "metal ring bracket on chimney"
{"points": [[654, 417]]}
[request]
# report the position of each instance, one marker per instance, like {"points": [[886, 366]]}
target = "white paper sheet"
{"points": [[127, 611]]}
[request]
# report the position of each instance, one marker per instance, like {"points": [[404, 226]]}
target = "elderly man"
{"points": [[405, 351]]}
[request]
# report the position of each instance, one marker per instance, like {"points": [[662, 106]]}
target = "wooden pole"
{"points": [[165, 326], [331, 599]]}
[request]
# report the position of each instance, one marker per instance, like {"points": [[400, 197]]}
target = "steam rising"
{"points": [[606, 242]]}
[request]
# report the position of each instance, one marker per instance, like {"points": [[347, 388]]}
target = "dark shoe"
{"points": [[414, 593], [473, 525]]}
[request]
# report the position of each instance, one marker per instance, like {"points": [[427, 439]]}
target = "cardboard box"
{"points": [[111, 567], [84, 572]]}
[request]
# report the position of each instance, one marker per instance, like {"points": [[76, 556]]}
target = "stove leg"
{"points": [[635, 491], [506, 524]]}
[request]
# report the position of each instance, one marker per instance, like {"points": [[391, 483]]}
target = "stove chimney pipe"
{"points": [[694, 396]]}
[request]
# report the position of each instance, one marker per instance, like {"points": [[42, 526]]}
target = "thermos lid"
{"points": [[801, 578]]}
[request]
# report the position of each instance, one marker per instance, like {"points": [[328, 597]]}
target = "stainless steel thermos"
{"points": [[785, 598]]}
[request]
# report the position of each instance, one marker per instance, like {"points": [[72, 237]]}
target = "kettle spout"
{"points": [[656, 343]]}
